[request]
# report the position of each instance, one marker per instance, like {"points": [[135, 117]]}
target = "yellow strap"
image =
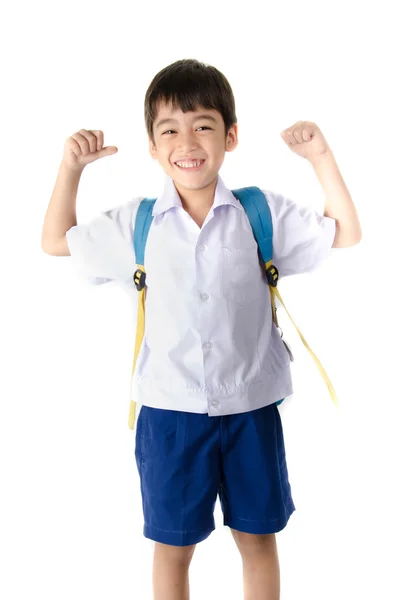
{"points": [[140, 328], [272, 298], [274, 292]]}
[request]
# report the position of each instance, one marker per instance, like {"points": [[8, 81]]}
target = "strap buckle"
{"points": [[139, 279], [272, 275]]}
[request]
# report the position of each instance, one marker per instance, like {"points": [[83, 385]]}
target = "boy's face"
{"points": [[190, 137]]}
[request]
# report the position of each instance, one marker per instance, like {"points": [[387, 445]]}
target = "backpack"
{"points": [[257, 209]]}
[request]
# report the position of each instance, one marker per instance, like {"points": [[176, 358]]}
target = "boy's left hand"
{"points": [[305, 139]]}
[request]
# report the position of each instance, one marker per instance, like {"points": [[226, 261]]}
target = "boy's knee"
{"points": [[248, 542], [178, 554]]}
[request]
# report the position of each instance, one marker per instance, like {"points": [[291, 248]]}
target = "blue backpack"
{"points": [[255, 204]]}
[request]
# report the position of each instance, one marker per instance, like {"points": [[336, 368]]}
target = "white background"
{"points": [[70, 506]]}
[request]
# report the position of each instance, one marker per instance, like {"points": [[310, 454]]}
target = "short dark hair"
{"points": [[189, 84]]}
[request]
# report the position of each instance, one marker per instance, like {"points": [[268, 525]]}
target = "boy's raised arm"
{"points": [[61, 212], [80, 149]]}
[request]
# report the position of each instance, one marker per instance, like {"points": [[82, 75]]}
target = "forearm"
{"points": [[61, 211], [338, 202]]}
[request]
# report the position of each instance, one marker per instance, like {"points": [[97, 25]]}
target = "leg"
{"points": [[179, 485], [256, 501], [261, 570], [171, 571]]}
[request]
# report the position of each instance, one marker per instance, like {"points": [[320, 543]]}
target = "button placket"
{"points": [[206, 345]]}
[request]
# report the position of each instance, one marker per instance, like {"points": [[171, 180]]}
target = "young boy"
{"points": [[212, 364]]}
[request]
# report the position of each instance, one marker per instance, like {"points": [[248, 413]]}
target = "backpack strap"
{"points": [[258, 212], [256, 206], [143, 221]]}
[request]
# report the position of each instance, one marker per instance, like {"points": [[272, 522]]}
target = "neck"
{"points": [[196, 201]]}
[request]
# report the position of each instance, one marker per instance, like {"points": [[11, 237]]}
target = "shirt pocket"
{"points": [[277, 357], [241, 275]]}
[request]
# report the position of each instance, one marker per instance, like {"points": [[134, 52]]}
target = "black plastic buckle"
{"points": [[272, 275], [139, 279]]}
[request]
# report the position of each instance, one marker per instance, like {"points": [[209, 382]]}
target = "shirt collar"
{"points": [[169, 197]]}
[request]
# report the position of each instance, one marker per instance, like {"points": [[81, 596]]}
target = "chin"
{"points": [[194, 185]]}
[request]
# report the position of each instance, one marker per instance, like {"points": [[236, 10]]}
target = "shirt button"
{"points": [[201, 248], [208, 345], [204, 297], [215, 403]]}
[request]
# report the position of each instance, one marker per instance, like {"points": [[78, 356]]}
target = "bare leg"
{"points": [[171, 571], [261, 569]]}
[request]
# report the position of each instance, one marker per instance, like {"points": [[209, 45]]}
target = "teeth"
{"points": [[189, 165]]}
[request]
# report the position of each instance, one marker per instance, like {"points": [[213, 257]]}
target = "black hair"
{"points": [[189, 84]]}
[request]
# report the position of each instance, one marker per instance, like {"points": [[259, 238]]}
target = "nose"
{"points": [[186, 142]]}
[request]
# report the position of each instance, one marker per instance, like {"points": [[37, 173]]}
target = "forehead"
{"points": [[166, 111]]}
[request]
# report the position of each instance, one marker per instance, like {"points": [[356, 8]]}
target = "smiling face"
{"points": [[195, 138]]}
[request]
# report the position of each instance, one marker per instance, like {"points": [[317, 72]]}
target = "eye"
{"points": [[172, 130]]}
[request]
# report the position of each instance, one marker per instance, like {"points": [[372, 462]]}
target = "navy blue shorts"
{"points": [[186, 459]]}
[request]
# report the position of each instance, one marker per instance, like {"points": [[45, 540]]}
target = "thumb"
{"points": [[107, 151]]}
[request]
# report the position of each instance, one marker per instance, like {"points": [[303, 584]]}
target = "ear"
{"points": [[152, 148], [232, 138]]}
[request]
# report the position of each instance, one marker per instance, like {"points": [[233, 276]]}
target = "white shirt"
{"points": [[210, 344]]}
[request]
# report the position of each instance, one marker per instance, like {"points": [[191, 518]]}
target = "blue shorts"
{"points": [[186, 459]]}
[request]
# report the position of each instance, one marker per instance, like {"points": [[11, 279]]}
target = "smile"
{"points": [[190, 166]]}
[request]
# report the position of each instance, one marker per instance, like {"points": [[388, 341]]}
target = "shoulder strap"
{"points": [[255, 205], [143, 221]]}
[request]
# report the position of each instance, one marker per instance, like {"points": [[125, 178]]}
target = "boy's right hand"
{"points": [[84, 147]]}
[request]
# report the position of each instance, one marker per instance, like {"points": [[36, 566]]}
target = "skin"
{"points": [[189, 136]]}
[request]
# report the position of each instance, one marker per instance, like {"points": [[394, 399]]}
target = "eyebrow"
{"points": [[199, 117]]}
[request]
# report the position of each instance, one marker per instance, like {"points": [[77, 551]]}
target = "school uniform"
{"points": [[212, 364]]}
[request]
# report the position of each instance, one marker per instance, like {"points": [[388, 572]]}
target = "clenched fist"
{"points": [[84, 147]]}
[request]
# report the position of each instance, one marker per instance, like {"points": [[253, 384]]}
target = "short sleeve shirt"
{"points": [[210, 344]]}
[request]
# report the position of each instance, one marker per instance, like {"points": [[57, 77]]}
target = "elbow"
{"points": [[346, 244], [356, 238], [346, 239]]}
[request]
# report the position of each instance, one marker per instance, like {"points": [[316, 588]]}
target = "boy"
{"points": [[212, 364]]}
